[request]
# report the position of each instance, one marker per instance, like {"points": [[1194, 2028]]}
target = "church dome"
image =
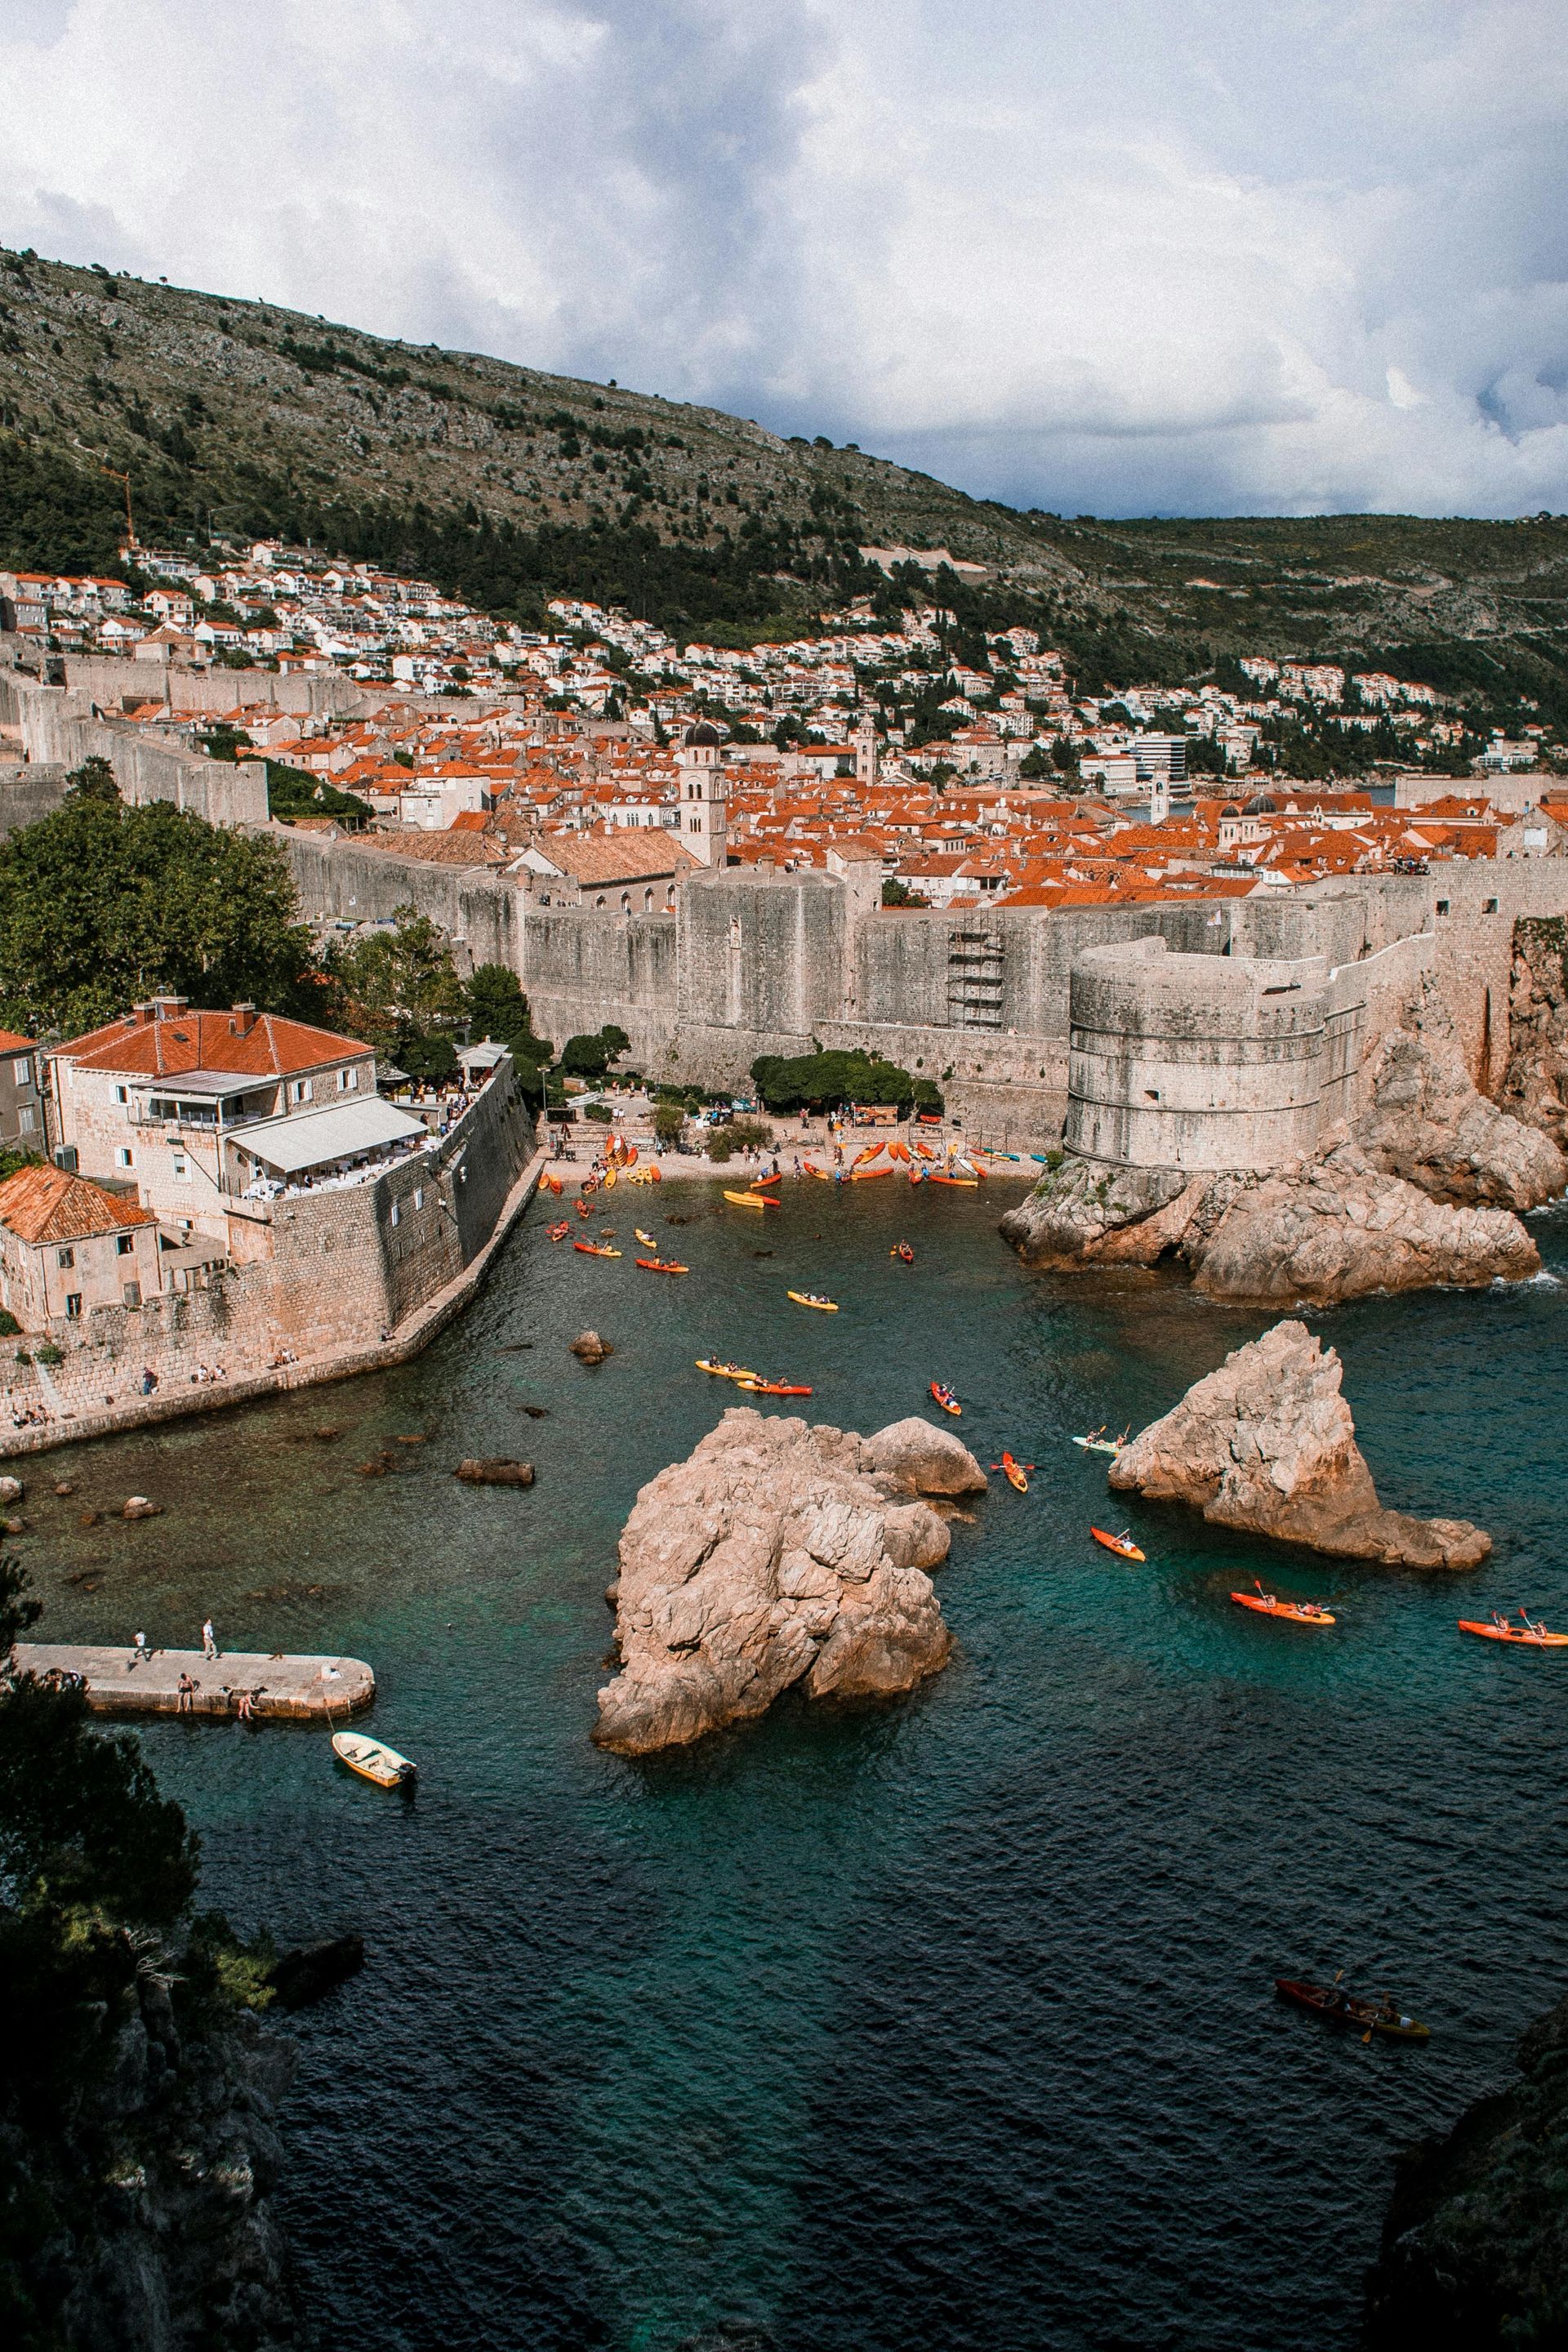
{"points": [[704, 732], [1262, 805], [1230, 809]]}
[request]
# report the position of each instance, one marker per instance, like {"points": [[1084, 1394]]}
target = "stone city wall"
{"points": [[978, 999], [58, 729]]}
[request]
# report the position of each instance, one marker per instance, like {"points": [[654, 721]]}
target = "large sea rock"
{"points": [[1475, 2245], [779, 1554], [1267, 1442]]}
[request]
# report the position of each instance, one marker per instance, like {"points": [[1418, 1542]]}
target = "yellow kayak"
{"points": [[724, 1371], [751, 1201], [373, 1761], [810, 1299]]}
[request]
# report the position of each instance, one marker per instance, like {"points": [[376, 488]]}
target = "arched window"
{"points": [[648, 900], [625, 902]]}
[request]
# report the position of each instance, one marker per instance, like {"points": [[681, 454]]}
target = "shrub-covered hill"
{"points": [[507, 484]]}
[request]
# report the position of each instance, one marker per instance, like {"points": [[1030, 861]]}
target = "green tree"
{"points": [[102, 905], [497, 1008], [93, 781], [896, 893], [589, 1056], [787, 1083], [398, 986]]}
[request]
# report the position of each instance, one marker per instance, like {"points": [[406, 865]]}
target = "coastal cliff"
{"points": [[157, 2187], [777, 1555], [1267, 1442], [1475, 2245], [1535, 1082]]}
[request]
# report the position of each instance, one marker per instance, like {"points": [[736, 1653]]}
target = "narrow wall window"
{"points": [[124, 1245], [395, 1214], [65, 1258], [419, 1196], [73, 1305], [22, 1072], [123, 1157]]}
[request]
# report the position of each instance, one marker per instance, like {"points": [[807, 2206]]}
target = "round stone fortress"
{"points": [[1197, 1062]]}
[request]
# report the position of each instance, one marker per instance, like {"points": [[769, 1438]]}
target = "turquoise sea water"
{"points": [[944, 2022]]}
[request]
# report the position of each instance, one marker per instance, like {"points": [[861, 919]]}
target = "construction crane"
{"points": [[125, 479]]}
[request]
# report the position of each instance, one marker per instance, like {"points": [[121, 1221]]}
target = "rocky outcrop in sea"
{"points": [[1535, 1082], [1475, 2244], [777, 1556], [1267, 1442]]}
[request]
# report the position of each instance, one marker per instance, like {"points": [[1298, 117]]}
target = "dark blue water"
{"points": [[945, 2022]]}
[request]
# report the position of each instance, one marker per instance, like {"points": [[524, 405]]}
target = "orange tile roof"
{"points": [[46, 1204], [181, 1042], [11, 1043]]}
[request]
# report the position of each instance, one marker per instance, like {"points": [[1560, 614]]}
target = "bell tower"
{"points": [[704, 822]]}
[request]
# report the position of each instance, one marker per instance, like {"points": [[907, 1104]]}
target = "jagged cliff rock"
{"points": [[779, 1554], [1426, 1122], [1339, 1227], [153, 2200], [1475, 2246], [1535, 1082], [1267, 1442], [1324, 1229]]}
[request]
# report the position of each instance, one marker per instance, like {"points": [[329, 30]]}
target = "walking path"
{"points": [[118, 1682]]}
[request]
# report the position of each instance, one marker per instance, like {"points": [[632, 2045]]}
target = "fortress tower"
{"points": [[704, 825]]}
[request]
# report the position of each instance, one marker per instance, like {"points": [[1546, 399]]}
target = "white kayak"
{"points": [[373, 1761], [1098, 1445]]}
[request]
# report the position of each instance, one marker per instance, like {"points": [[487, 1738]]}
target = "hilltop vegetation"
{"points": [[506, 485]]}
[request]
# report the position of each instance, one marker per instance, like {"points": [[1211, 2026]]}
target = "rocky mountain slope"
{"points": [[505, 484]]}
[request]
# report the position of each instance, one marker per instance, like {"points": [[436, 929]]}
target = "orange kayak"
{"points": [[945, 1397], [1122, 1546], [925, 1151], [558, 1233], [1297, 1612], [661, 1266], [1014, 1471], [595, 1249], [898, 1152], [867, 1175], [774, 1388], [1534, 1637], [811, 1170], [758, 1182], [969, 1184]]}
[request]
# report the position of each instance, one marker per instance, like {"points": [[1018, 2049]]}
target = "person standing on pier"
{"points": [[209, 1641], [187, 1699]]}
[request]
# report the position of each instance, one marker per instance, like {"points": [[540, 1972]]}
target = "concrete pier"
{"points": [[293, 1690]]}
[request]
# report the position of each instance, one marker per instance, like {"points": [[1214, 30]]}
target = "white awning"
{"points": [[311, 1139]]}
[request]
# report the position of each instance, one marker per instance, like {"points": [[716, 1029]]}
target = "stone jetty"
{"points": [[290, 1689]]}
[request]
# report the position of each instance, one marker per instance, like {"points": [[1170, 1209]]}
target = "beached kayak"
{"points": [[595, 1249], [969, 1184], [1534, 1637], [760, 1183], [661, 1266], [1122, 1546], [1295, 1613], [751, 1199], [1347, 2009], [373, 1761], [945, 1397], [814, 1298]]}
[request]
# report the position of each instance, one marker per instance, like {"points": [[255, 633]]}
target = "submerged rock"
{"points": [[779, 1554], [309, 1972], [494, 1472], [589, 1348], [1475, 2245], [1267, 1442]]}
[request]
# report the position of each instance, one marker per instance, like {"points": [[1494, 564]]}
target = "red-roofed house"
{"points": [[156, 1099], [66, 1246]]}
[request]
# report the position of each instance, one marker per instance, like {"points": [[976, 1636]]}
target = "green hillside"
{"points": [[507, 485]]}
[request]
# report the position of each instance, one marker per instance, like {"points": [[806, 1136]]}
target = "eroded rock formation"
{"points": [[1535, 1082], [1475, 2246], [1267, 1442], [1426, 1122], [779, 1554]]}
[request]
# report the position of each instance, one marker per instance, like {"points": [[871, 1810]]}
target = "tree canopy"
{"points": [[589, 1056], [817, 1080], [102, 905], [398, 989]]}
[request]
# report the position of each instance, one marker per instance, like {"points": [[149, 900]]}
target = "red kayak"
{"points": [[1122, 1546], [659, 1265], [945, 1397], [760, 1183], [1295, 1613], [1533, 1636], [774, 1388]]}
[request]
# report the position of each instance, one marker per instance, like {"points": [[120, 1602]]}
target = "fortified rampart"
{"points": [[56, 726], [979, 999], [329, 1275]]}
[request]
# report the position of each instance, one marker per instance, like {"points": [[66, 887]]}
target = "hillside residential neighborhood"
{"points": [[972, 774]]}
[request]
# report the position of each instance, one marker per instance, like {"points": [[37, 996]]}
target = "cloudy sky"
{"points": [[1106, 256]]}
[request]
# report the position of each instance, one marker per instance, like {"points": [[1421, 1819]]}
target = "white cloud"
{"points": [[1114, 253]]}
